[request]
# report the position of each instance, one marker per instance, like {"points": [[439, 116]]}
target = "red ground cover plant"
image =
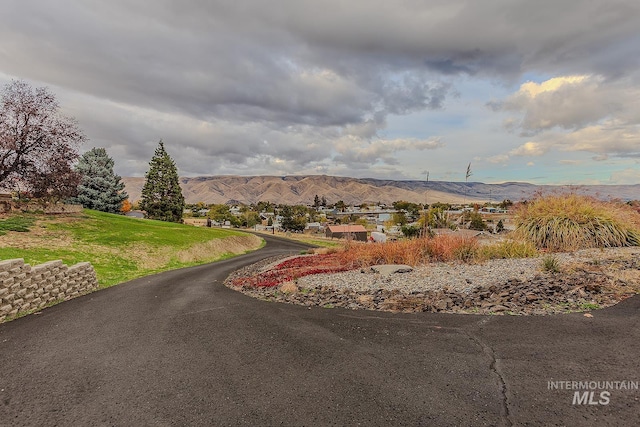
{"points": [[294, 268]]}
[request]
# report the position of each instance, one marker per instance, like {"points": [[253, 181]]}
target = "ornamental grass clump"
{"points": [[566, 222]]}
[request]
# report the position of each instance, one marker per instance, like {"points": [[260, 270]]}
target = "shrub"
{"points": [[550, 264], [564, 222], [410, 231], [476, 222]]}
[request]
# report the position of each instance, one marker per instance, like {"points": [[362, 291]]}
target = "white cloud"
{"points": [[606, 139], [530, 149], [629, 176], [570, 162], [498, 159]]}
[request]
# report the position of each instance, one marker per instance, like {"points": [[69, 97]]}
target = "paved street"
{"points": [[179, 348]]}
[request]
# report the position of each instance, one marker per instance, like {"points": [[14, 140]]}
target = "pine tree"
{"points": [[162, 197], [100, 188]]}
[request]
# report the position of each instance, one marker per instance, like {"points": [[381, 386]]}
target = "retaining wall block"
{"points": [[7, 283], [10, 264]]}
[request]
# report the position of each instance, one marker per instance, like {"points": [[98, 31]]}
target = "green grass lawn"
{"points": [[120, 248], [19, 223]]}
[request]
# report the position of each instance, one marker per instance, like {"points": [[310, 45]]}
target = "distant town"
{"points": [[360, 222]]}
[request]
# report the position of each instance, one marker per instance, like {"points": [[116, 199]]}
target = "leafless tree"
{"points": [[38, 145]]}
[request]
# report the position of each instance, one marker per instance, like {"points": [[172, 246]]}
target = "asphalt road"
{"points": [[179, 348]]}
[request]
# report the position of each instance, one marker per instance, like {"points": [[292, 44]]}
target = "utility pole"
{"points": [[425, 231], [426, 193], [466, 180]]}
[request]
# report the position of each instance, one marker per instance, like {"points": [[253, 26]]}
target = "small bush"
{"points": [[476, 222], [550, 264], [567, 222]]}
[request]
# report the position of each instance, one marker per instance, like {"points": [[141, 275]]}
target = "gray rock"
{"points": [[388, 269], [498, 308]]}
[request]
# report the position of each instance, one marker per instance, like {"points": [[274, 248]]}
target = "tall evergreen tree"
{"points": [[162, 197], [100, 188]]}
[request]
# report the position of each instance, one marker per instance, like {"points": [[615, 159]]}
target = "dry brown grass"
{"points": [[215, 248], [411, 252], [39, 235], [507, 249]]}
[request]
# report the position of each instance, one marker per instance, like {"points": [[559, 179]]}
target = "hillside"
{"points": [[118, 247], [302, 189]]}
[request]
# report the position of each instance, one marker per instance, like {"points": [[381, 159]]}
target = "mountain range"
{"points": [[303, 189]]}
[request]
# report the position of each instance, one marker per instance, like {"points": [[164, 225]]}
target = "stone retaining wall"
{"points": [[24, 288], [51, 209], [8, 205]]}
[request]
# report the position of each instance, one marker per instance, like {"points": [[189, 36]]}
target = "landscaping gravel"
{"points": [[454, 276], [588, 279]]}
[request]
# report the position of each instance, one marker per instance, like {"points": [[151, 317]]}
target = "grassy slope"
{"points": [[120, 248]]}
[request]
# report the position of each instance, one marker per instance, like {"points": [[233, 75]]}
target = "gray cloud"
{"points": [[318, 81]]}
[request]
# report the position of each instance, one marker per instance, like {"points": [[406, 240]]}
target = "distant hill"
{"points": [[303, 189]]}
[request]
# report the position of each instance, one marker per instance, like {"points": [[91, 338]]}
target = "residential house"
{"points": [[353, 232]]}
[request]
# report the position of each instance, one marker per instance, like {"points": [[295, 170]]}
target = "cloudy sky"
{"points": [[542, 91]]}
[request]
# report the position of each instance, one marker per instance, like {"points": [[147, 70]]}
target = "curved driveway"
{"points": [[179, 348]]}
